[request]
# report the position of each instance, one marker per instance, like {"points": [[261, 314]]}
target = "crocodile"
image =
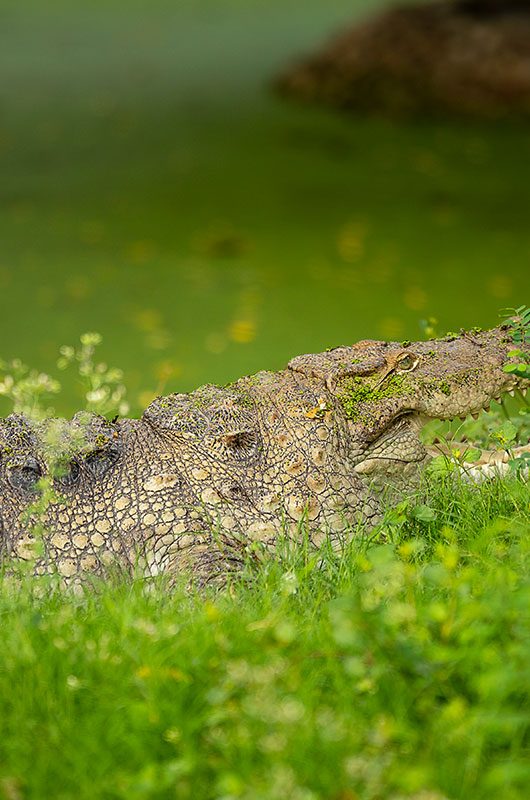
{"points": [[203, 479]]}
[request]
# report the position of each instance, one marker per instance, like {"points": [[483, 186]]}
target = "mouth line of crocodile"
{"points": [[420, 418]]}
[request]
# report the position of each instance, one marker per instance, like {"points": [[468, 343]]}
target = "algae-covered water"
{"points": [[154, 189]]}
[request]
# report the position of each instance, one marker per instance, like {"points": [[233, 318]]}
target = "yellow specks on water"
{"points": [[145, 398], [242, 331], [383, 265], [158, 482], [215, 343], [103, 525], [166, 370], [391, 327], [141, 251], [351, 241], [500, 286], [415, 298], [427, 162], [78, 287], [150, 322]]}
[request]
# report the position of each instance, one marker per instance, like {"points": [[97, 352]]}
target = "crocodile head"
{"points": [[390, 390]]}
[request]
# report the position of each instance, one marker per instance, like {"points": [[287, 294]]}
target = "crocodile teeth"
{"points": [[511, 392], [487, 408], [475, 414], [498, 400]]}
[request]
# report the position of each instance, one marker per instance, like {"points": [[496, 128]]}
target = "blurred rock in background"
{"points": [[469, 57]]}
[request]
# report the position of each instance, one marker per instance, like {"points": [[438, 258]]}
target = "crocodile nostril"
{"points": [[25, 475]]}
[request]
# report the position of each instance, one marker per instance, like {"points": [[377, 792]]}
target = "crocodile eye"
{"points": [[69, 474], [100, 461], [25, 476], [407, 362]]}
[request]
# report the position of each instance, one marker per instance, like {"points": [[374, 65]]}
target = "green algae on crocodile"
{"points": [[354, 392]]}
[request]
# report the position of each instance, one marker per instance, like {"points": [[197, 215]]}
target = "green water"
{"points": [[154, 189]]}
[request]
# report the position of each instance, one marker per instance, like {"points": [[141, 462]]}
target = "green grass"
{"points": [[391, 670]]}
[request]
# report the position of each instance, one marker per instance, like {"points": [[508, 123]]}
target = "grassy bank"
{"points": [[396, 670]]}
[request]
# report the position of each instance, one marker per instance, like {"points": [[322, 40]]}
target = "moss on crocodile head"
{"points": [[243, 396], [355, 392], [439, 385]]}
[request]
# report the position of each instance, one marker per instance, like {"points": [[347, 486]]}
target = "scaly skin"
{"points": [[200, 477]]}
